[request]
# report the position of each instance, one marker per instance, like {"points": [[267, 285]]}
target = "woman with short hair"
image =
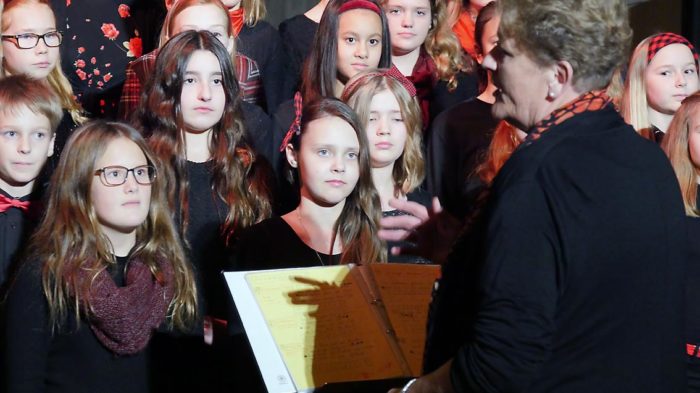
{"points": [[571, 280]]}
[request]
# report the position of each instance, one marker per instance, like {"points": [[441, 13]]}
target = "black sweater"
{"points": [[459, 139], [573, 279], [692, 330], [262, 44], [71, 360], [297, 34]]}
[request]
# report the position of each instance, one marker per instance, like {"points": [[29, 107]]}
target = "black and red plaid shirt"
{"points": [[247, 73]]}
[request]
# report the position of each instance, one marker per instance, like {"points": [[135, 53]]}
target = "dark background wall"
{"points": [[647, 17], [279, 10]]}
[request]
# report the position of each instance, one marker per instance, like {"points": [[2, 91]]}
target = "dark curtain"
{"points": [[691, 21]]}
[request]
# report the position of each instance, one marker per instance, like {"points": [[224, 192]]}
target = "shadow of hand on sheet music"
{"points": [[335, 342]]}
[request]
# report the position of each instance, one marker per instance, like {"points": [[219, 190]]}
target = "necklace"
{"points": [[308, 236]]}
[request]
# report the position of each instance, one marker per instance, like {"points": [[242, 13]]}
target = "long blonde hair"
{"points": [[675, 145], [56, 79], [69, 239], [634, 105], [409, 168], [254, 11]]}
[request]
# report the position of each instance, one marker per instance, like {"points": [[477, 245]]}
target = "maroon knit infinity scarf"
{"points": [[123, 318]]}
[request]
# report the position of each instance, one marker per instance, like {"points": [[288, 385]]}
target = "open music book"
{"points": [[312, 326]]}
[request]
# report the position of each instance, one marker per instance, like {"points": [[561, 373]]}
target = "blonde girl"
{"points": [[30, 46], [663, 71], [386, 105]]}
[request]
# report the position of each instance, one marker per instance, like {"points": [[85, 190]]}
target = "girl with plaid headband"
{"points": [[663, 71]]}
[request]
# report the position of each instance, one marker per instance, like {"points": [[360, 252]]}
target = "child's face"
{"points": [[409, 23], [694, 139], [327, 160], [203, 17], [202, 99], [670, 77], [359, 42], [26, 141], [36, 62], [120, 209], [386, 130]]}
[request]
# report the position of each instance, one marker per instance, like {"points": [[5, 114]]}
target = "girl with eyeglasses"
{"points": [[30, 45], [104, 269]]}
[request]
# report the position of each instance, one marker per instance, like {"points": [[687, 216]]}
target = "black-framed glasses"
{"points": [[116, 175], [52, 39]]}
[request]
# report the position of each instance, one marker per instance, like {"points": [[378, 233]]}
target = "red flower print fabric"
{"points": [[101, 37]]}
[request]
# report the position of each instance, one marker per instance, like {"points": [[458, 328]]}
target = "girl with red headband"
{"points": [[353, 36], [386, 104], [663, 71]]}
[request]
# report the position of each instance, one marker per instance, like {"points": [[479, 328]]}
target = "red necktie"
{"points": [[6, 203]]}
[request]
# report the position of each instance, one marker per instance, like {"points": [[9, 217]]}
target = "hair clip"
{"points": [[663, 40], [295, 128], [359, 4]]}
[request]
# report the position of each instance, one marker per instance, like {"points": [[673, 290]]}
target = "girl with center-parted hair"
{"points": [[663, 71], [682, 146], [385, 102], [338, 212], [336, 219], [218, 186], [103, 270], [210, 15]]}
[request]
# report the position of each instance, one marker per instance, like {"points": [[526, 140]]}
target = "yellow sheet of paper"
{"points": [[406, 291], [322, 325]]}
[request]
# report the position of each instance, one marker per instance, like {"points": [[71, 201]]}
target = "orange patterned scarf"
{"points": [[589, 102]]}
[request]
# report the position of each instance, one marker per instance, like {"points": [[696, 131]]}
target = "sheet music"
{"points": [[406, 290], [324, 329]]}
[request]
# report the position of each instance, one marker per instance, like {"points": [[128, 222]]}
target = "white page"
{"points": [[274, 372]]}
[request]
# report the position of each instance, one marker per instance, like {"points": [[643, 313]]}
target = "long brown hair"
{"points": [[675, 145], [358, 223], [320, 69], [56, 79], [237, 179], [69, 239]]}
